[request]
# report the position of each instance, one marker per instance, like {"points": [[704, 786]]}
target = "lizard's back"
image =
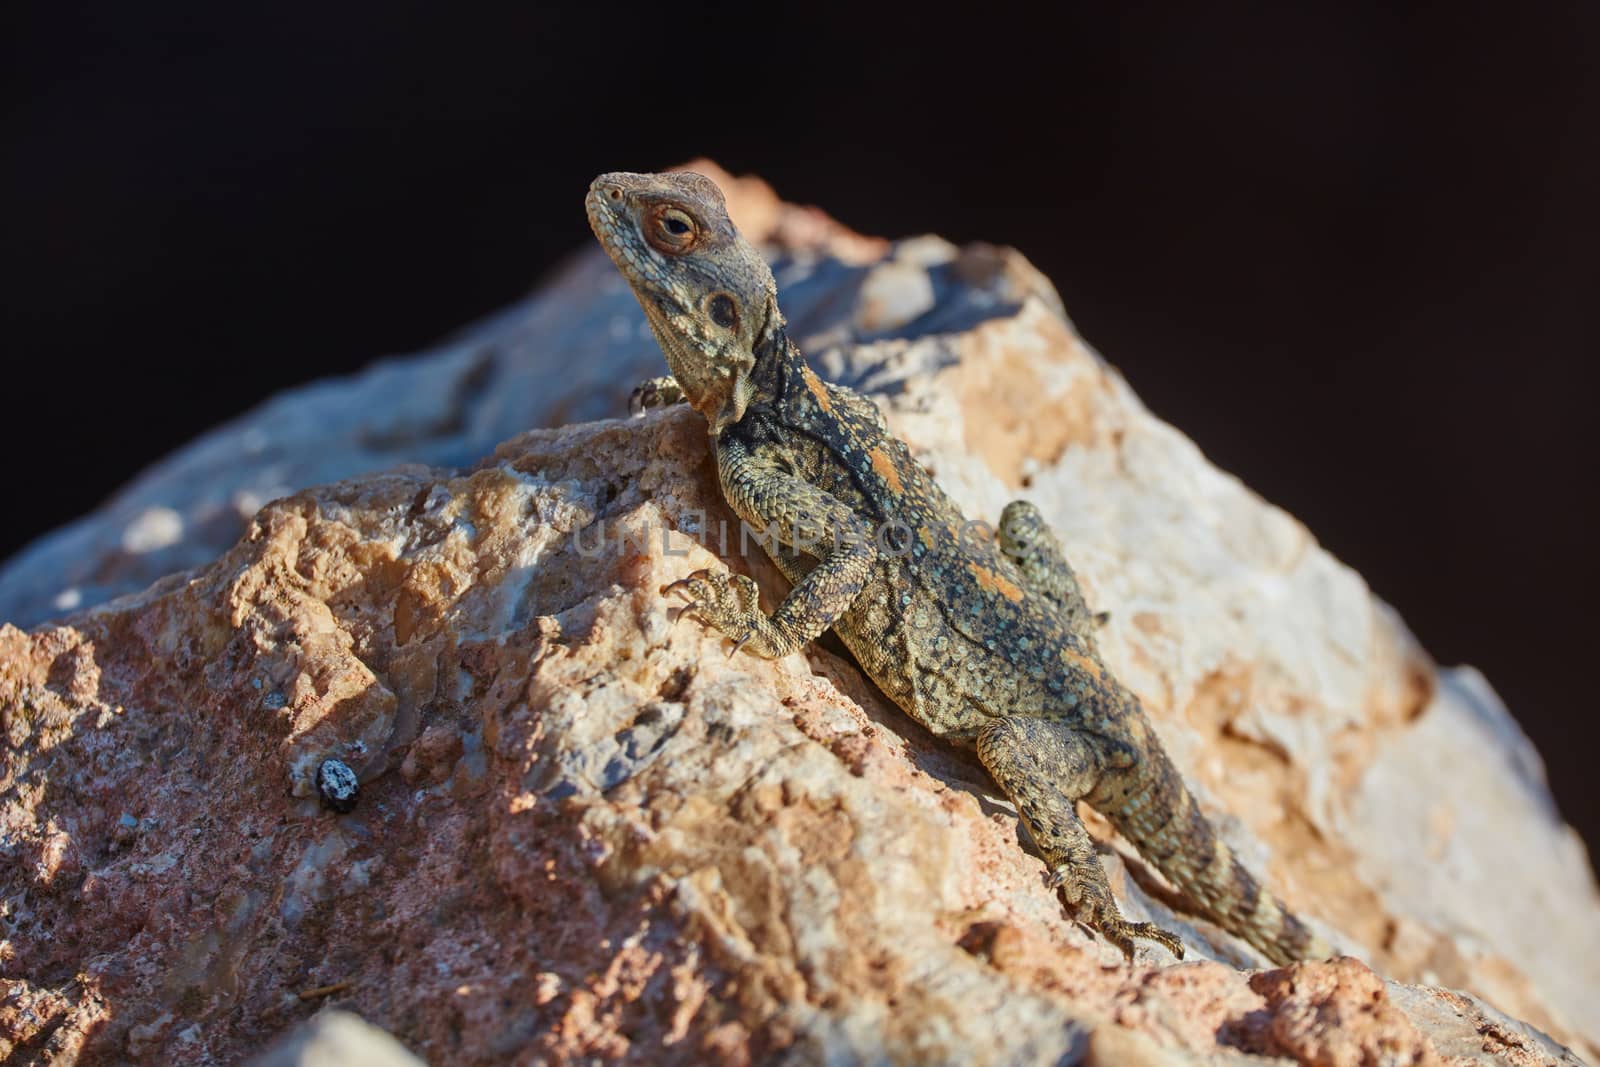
{"points": [[946, 626]]}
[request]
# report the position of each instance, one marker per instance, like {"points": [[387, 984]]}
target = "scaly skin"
{"points": [[986, 642]]}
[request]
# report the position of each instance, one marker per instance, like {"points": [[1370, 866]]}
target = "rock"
{"points": [[336, 1039], [585, 834]]}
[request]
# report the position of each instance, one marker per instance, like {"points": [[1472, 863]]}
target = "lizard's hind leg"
{"points": [[1031, 546], [1044, 765]]}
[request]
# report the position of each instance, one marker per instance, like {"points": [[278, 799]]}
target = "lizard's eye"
{"points": [[671, 230], [722, 310]]}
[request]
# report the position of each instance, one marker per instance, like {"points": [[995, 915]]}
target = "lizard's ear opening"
{"points": [[723, 311]]}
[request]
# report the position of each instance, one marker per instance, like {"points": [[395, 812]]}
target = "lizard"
{"points": [[985, 640]]}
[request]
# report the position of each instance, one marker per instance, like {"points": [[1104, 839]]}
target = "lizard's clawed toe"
{"points": [[1152, 932], [1122, 934], [1101, 916], [695, 589]]}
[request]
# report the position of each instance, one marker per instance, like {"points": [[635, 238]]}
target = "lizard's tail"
{"points": [[1168, 828]]}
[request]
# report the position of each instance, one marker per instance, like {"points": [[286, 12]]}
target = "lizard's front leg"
{"points": [[797, 514], [654, 393]]}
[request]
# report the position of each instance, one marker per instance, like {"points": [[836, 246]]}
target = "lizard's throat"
{"points": [[715, 384]]}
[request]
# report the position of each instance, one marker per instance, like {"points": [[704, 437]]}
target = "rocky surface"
{"points": [[336, 1039], [588, 835]]}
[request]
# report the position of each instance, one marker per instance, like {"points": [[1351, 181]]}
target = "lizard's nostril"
{"points": [[614, 192]]}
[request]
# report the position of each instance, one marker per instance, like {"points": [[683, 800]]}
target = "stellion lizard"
{"points": [[985, 641]]}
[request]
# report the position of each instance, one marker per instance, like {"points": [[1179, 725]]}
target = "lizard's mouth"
{"points": [[606, 206], [602, 219]]}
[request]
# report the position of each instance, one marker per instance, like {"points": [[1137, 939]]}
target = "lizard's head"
{"points": [[708, 294]]}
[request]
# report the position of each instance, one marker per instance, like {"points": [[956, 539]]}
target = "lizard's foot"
{"points": [[728, 603], [653, 393], [1098, 911], [1121, 933]]}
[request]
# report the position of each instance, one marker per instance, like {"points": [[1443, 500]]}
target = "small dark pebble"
{"points": [[337, 785]]}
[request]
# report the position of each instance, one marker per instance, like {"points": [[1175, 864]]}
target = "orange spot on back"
{"points": [[886, 469], [1082, 663], [995, 583], [818, 390]]}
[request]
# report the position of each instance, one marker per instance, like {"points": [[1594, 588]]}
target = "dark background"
{"points": [[1351, 252]]}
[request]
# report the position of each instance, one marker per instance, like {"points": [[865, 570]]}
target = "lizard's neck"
{"points": [[778, 368]]}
